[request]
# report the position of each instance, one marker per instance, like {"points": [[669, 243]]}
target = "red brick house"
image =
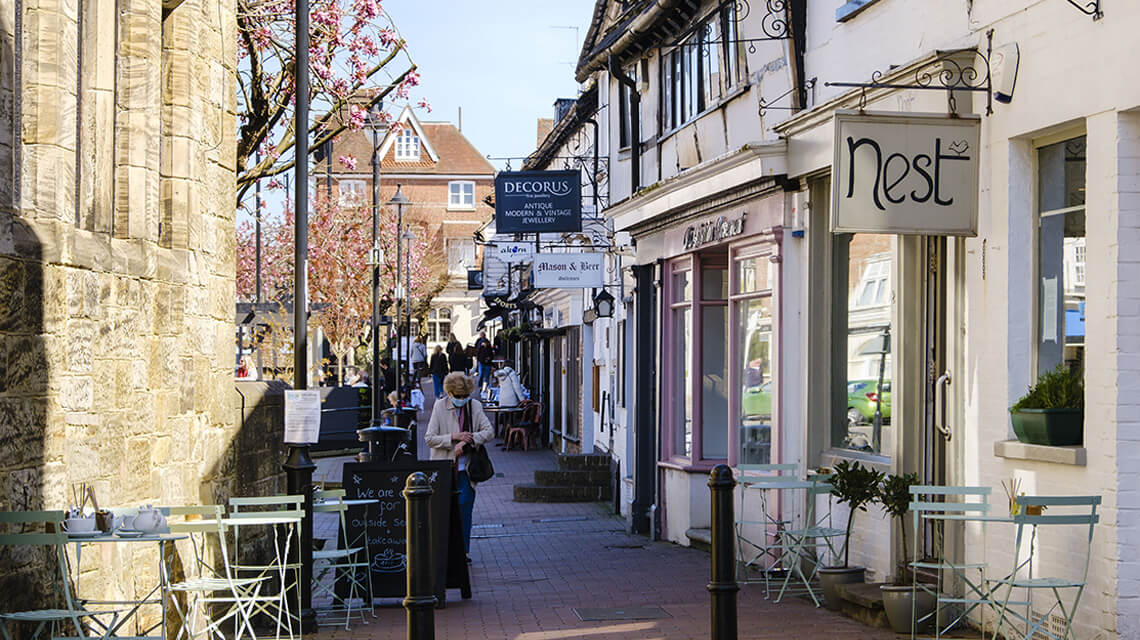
{"points": [[446, 178]]}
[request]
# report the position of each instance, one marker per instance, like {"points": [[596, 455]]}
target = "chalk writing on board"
{"points": [[389, 562]]}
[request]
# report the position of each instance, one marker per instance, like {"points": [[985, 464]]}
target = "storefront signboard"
{"points": [[569, 270], [514, 252], [905, 174], [538, 201]]}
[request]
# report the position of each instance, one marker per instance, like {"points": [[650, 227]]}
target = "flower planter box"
{"points": [[1052, 427]]}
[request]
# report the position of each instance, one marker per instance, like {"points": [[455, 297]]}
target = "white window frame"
{"points": [[351, 192], [407, 145], [461, 195]]}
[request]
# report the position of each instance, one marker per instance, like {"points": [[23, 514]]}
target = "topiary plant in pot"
{"points": [[899, 596], [857, 487], [1053, 411]]}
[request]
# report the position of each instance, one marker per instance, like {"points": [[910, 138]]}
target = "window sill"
{"points": [[701, 466], [461, 208], [852, 9], [1016, 450]]}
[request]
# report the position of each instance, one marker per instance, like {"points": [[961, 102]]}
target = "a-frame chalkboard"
{"points": [[387, 530]]}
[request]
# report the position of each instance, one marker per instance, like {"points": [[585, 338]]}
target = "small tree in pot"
{"points": [[899, 597], [857, 487]]}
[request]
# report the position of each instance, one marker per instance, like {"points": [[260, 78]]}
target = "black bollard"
{"points": [[420, 601], [723, 586]]}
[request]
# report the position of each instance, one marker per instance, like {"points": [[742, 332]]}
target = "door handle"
{"points": [[940, 386]]}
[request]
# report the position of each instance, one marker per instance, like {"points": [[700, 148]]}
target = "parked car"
{"points": [[861, 400], [757, 401]]}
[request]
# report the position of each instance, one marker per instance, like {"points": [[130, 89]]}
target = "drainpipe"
{"points": [[634, 122]]}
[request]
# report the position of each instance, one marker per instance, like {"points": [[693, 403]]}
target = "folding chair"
{"points": [[808, 544], [955, 582], [347, 563], [760, 544], [527, 427], [279, 513], [1079, 513], [53, 536], [209, 587]]}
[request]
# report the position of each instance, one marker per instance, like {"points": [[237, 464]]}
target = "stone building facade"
{"points": [[117, 168]]}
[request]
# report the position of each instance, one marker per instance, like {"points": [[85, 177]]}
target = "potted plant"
{"points": [[899, 597], [1053, 411], [857, 487]]}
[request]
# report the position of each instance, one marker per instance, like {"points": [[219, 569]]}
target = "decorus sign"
{"points": [[905, 174], [569, 270], [712, 231], [538, 201]]}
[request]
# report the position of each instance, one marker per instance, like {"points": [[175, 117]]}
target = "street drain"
{"points": [[625, 613]]}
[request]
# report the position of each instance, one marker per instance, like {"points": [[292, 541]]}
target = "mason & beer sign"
{"points": [[538, 201], [905, 174]]}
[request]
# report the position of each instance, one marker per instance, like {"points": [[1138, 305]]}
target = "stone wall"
{"points": [[117, 268]]}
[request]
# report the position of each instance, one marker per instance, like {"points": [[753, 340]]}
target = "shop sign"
{"points": [[905, 174], [713, 231], [538, 201], [569, 270], [514, 251]]}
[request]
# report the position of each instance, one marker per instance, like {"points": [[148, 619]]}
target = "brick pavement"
{"points": [[535, 563]]}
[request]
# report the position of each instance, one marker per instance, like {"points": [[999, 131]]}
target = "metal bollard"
{"points": [[723, 586], [420, 601]]}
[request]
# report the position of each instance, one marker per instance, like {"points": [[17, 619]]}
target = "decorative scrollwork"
{"points": [[1089, 8], [766, 105], [947, 72], [775, 23]]}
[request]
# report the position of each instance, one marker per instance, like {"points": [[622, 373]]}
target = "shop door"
{"points": [[573, 382], [941, 415], [557, 382]]}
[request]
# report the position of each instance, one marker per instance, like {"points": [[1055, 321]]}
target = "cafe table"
{"points": [[130, 608], [509, 413]]}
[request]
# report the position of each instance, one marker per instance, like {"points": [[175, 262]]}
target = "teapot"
{"points": [[149, 520]]}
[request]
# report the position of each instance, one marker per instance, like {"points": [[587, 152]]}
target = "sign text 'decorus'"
{"points": [[538, 201], [905, 174]]}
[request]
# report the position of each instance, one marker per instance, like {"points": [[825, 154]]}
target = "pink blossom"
{"points": [[423, 104], [357, 118], [348, 162]]}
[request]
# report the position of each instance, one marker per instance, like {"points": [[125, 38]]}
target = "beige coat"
{"points": [[445, 421]]}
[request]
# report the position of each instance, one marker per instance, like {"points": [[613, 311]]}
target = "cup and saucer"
{"points": [[81, 528], [130, 533]]}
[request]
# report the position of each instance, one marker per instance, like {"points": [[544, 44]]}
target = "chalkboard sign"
{"points": [[387, 530]]}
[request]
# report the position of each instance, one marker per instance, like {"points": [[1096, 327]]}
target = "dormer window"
{"points": [[407, 145]]}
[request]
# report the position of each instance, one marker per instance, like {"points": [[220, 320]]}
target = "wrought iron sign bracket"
{"points": [[1089, 8], [774, 24], [766, 105], [945, 73]]}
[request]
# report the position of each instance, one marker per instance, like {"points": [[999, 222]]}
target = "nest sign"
{"points": [[905, 174], [538, 201]]}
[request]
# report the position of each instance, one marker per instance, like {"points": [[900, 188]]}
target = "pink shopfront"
{"points": [[720, 350]]}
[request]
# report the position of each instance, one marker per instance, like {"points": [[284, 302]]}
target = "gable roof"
{"points": [[626, 35], [445, 150]]}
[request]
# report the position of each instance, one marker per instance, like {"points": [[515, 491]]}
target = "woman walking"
{"points": [[458, 424], [439, 370]]}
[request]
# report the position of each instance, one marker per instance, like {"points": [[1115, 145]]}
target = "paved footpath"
{"points": [[534, 564]]}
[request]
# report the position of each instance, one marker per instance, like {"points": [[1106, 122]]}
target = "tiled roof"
{"points": [[456, 153]]}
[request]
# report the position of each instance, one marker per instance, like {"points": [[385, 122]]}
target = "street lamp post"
{"points": [[376, 123], [399, 200], [408, 237]]}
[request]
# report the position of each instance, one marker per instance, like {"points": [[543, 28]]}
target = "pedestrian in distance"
{"points": [[457, 424], [439, 370], [454, 353], [419, 358], [484, 353]]}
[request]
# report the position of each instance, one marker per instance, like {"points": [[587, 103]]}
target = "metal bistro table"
{"points": [[156, 595], [500, 413]]}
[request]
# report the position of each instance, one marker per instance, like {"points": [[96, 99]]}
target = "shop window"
{"points": [[681, 355], [714, 361], [861, 349], [1061, 255], [752, 304]]}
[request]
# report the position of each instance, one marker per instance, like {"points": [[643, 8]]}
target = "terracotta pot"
{"points": [[829, 577]]}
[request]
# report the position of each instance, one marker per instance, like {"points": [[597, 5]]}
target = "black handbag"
{"points": [[479, 467]]}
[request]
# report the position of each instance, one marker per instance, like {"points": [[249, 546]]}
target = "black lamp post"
{"points": [[399, 200], [408, 237], [376, 124]]}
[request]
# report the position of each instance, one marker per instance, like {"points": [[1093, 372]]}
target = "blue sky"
{"points": [[500, 60]]}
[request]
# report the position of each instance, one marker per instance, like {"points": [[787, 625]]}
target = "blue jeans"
{"points": [[466, 507], [437, 380], [484, 374]]}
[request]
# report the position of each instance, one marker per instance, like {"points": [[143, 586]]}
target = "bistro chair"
{"points": [[283, 516], [760, 544], [51, 536], [348, 565], [209, 588], [810, 543], [1077, 514], [958, 587], [527, 427]]}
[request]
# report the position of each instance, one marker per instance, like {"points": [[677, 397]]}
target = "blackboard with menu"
{"points": [[387, 529]]}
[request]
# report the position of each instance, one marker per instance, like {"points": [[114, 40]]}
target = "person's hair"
{"points": [[458, 383], [451, 338], [438, 349]]}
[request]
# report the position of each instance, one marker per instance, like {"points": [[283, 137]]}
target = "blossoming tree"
{"points": [[355, 50], [340, 275]]}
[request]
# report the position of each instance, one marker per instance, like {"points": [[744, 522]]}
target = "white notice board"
{"points": [[302, 416]]}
